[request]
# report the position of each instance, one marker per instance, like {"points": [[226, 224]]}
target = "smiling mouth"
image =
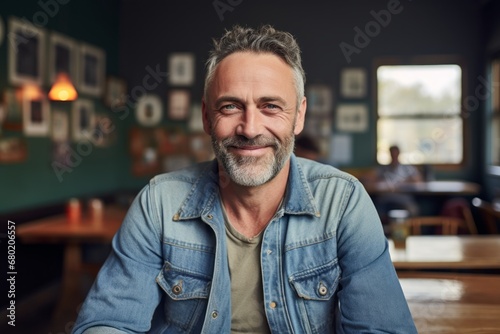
{"points": [[249, 150]]}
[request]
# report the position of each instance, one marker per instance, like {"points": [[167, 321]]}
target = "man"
{"points": [[395, 175], [257, 241]]}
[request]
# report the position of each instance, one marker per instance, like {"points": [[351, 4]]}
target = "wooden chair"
{"points": [[440, 224], [488, 213], [460, 208]]}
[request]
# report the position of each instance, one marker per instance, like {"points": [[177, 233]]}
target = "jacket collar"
{"points": [[205, 191]]}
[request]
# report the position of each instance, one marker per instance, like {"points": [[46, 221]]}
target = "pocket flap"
{"points": [[319, 283], [181, 284]]}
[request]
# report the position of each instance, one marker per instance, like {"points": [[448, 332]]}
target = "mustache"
{"points": [[241, 141]]}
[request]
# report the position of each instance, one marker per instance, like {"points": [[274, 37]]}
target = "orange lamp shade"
{"points": [[63, 89]]}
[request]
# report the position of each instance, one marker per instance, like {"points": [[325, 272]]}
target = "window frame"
{"points": [[492, 114], [427, 60]]}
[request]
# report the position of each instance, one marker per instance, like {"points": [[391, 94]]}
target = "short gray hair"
{"points": [[264, 39]]}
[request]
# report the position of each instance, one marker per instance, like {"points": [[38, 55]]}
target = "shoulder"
{"points": [[188, 175], [314, 171]]}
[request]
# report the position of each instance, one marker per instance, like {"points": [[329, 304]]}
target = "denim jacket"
{"points": [[324, 261]]}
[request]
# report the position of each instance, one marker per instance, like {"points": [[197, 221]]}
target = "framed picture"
{"points": [[181, 69], [353, 83], [13, 150], [149, 110], [26, 53], [352, 117], [178, 104], [319, 100], [92, 69], [60, 126], [63, 56], [83, 119], [36, 116], [317, 127], [13, 104], [115, 93], [104, 133], [341, 151]]}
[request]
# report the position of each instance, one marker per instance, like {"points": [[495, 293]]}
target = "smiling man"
{"points": [[258, 240]]}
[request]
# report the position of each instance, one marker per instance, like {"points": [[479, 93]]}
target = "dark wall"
{"points": [[151, 30]]}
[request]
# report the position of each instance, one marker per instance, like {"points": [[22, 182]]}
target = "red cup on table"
{"points": [[74, 211]]}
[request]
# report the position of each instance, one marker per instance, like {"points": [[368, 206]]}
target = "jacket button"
{"points": [[273, 305], [210, 216], [177, 289], [215, 314], [323, 290]]}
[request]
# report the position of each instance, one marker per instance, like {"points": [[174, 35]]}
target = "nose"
{"points": [[250, 125]]}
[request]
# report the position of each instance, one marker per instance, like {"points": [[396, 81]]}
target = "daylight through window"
{"points": [[419, 109]]}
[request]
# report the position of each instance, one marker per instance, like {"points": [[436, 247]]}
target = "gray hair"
{"points": [[264, 39]]}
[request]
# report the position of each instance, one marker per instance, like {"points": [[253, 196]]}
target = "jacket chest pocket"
{"points": [[316, 295], [186, 296]]}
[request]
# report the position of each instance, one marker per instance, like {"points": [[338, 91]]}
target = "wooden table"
{"points": [[58, 229], [458, 188], [447, 303], [447, 252]]}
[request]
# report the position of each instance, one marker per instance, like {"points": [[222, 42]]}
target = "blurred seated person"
{"points": [[306, 147], [394, 174]]}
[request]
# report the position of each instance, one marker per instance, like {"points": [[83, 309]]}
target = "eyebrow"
{"points": [[263, 99]]}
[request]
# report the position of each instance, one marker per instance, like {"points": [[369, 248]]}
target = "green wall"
{"points": [[33, 182]]}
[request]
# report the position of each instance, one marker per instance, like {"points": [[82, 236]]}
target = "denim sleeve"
{"points": [[125, 294], [370, 297]]}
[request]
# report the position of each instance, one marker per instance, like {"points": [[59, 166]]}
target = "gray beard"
{"points": [[252, 171]]}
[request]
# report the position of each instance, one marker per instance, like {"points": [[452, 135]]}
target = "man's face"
{"points": [[251, 115]]}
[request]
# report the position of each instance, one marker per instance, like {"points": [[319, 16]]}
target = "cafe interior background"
{"points": [[138, 68]]}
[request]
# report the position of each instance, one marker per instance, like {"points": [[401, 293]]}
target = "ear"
{"points": [[205, 117], [301, 115]]}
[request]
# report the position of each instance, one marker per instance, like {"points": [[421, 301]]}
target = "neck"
{"points": [[249, 209]]}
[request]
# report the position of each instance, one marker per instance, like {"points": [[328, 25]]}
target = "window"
{"points": [[419, 109]]}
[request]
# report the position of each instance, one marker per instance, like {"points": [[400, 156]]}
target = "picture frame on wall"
{"points": [[104, 134], [352, 117], [149, 110], [14, 150], [353, 82], [179, 104], [181, 69], [36, 116], [13, 104], [63, 56], [92, 69], [319, 100], [83, 119], [26, 56], [115, 94]]}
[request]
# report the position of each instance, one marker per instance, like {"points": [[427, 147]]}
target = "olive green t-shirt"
{"points": [[247, 300]]}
